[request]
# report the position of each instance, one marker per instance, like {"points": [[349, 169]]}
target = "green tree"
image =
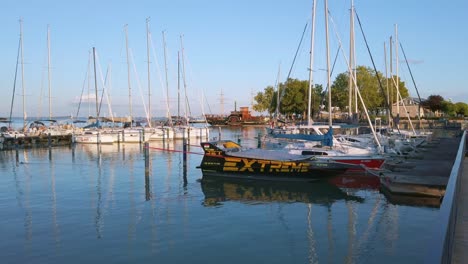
{"points": [[266, 100], [339, 91], [461, 109], [434, 103], [295, 98], [448, 108]]}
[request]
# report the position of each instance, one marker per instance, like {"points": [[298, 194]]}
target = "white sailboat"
{"points": [[94, 135]]}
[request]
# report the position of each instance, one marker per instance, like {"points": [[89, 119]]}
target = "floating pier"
{"points": [[422, 175], [42, 141]]}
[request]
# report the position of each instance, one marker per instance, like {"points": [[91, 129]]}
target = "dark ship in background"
{"points": [[243, 117]]}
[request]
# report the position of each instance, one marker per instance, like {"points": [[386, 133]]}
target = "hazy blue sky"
{"points": [[233, 46]]}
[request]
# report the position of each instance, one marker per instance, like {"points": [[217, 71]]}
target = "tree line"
{"points": [[294, 96]]}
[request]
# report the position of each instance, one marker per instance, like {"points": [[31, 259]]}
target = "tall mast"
{"points": [[396, 68], [48, 71], [178, 85], [386, 78], [278, 92], [351, 59], [95, 84], [187, 108], [328, 66], [128, 77], [167, 81], [311, 63], [149, 68], [391, 73], [22, 73]]}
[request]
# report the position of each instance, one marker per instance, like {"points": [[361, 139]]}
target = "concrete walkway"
{"points": [[460, 249]]}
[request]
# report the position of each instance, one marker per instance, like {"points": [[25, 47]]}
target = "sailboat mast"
{"points": [[128, 77], [149, 68], [48, 71], [278, 92], [95, 84], [386, 78], [178, 85], [22, 73], [167, 81], [351, 60], [187, 109], [328, 65], [396, 69], [311, 63], [390, 49]]}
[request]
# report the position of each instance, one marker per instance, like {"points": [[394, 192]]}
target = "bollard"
{"points": [[219, 133]]}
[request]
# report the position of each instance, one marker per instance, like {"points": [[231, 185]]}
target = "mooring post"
{"points": [[49, 140], [17, 156], [146, 154], [123, 136], [188, 134], [147, 172], [164, 137], [184, 149], [118, 138], [259, 140], [219, 133]]}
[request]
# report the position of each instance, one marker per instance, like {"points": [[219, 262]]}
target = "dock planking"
{"points": [[426, 176]]}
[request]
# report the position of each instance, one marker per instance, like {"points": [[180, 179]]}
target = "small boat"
{"points": [[227, 159]]}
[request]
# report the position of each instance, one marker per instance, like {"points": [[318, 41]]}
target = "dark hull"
{"points": [[264, 169]]}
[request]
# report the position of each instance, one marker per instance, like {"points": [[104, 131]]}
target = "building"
{"points": [[412, 107]]}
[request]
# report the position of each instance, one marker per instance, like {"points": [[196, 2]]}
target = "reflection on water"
{"points": [[218, 190], [123, 203]]}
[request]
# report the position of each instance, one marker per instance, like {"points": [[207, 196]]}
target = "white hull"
{"points": [[93, 138]]}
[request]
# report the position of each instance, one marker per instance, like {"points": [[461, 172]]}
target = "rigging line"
{"points": [[331, 72], [295, 56], [14, 83], [82, 90], [104, 90], [158, 69], [412, 78], [137, 77], [387, 105]]}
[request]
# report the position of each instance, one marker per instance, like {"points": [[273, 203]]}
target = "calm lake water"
{"points": [[79, 205]]}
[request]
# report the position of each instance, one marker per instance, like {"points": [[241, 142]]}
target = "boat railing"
{"points": [[441, 248]]}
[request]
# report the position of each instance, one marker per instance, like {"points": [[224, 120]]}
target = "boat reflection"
{"points": [[218, 190], [356, 181]]}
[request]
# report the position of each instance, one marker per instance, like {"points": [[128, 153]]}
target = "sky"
{"points": [[230, 48]]}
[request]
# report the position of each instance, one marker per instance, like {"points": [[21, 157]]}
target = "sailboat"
{"points": [[325, 145], [183, 129], [94, 135]]}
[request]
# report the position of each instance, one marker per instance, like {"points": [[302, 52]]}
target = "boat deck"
{"points": [[262, 154]]}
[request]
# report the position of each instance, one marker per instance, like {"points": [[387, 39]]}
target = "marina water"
{"points": [[90, 204]]}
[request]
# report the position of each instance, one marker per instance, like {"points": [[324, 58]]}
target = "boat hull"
{"points": [[255, 165]]}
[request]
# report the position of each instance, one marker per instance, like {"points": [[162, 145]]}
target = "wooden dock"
{"points": [[425, 174], [41, 141]]}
